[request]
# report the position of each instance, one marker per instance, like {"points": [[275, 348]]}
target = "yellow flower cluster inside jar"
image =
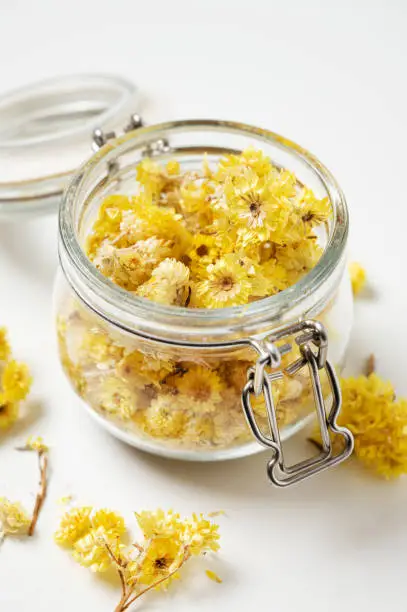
{"points": [[211, 238]]}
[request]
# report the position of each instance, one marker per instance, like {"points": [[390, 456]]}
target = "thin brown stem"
{"points": [[39, 500], [119, 568], [370, 365]]}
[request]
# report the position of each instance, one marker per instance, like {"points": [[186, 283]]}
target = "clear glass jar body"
{"points": [[167, 379]]}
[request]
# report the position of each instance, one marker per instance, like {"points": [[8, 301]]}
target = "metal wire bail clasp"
{"points": [[312, 340]]}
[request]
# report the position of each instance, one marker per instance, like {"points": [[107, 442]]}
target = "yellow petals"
{"points": [[14, 519], [16, 381], [36, 444], [111, 522], [163, 420], [168, 542], [164, 555], [4, 345], [378, 423], [169, 284], [212, 576], [227, 284], [65, 500], [357, 277], [202, 384], [202, 535], [74, 525], [92, 550]]}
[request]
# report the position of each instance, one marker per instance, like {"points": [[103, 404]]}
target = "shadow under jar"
{"points": [[265, 363]]}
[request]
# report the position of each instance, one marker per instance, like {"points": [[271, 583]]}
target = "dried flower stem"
{"points": [[43, 464], [371, 365]]}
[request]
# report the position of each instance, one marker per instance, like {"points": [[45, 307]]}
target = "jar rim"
{"points": [[132, 313]]}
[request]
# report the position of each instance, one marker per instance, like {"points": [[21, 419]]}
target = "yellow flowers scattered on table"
{"points": [[98, 539], [15, 383], [378, 422]]}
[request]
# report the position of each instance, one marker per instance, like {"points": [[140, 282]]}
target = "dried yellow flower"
{"points": [[168, 543], [36, 444], [378, 422], [16, 381], [74, 525], [357, 277], [169, 284], [13, 518], [227, 284], [92, 549]]}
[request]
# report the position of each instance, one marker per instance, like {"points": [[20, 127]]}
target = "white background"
{"points": [[332, 76]]}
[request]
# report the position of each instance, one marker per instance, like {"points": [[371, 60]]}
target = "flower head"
{"points": [[201, 535], [116, 397], [227, 284], [16, 381], [13, 518], [110, 521], [201, 384], [163, 419], [74, 525], [36, 444], [164, 555], [92, 550], [169, 284], [159, 524]]}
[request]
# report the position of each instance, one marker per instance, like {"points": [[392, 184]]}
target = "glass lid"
{"points": [[46, 133]]}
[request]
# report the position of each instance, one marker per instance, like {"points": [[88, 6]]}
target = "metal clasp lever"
{"points": [[313, 343]]}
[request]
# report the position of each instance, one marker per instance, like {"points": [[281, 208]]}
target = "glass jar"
{"points": [[249, 376]]}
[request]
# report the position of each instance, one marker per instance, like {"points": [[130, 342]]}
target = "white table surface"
{"points": [[333, 77]]}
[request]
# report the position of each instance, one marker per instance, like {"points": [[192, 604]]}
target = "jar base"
{"points": [[182, 454]]}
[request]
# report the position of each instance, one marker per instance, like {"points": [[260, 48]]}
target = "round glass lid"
{"points": [[46, 133]]}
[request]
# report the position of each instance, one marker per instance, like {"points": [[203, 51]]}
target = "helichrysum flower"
{"points": [[168, 543], [357, 277], [162, 418], [378, 422], [201, 535], [159, 523], [16, 381], [116, 397], [163, 556], [36, 444], [13, 518], [92, 549], [202, 384], [169, 284], [227, 284], [74, 525], [110, 521]]}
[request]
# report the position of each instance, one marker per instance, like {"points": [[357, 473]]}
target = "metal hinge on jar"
{"points": [[312, 340], [156, 147]]}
